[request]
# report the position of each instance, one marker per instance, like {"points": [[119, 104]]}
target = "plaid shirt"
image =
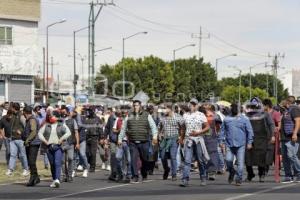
{"points": [[169, 126]]}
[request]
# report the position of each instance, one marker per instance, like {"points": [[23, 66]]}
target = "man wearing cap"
{"points": [[139, 127], [196, 125], [71, 143], [169, 136], [32, 144]]}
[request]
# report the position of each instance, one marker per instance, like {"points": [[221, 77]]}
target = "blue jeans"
{"points": [[123, 157], [139, 151], [17, 148], [290, 159], [7, 149], [239, 153], [173, 155], [196, 151], [221, 160], [55, 157], [82, 155]]}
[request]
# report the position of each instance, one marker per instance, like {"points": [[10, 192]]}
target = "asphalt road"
{"points": [[96, 186]]}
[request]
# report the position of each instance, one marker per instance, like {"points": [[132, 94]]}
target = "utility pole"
{"points": [[200, 36], [91, 53], [44, 74], [275, 73]]}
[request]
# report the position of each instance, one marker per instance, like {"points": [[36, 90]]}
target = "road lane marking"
{"points": [[261, 192], [94, 190]]}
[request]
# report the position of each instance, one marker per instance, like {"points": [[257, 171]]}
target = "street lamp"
{"points": [[47, 55], [123, 74], [217, 60], [174, 52], [240, 84], [250, 76], [74, 57], [82, 58], [104, 49]]}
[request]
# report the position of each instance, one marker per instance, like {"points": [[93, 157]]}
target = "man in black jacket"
{"points": [[93, 127]]}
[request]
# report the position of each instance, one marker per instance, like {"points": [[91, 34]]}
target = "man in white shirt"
{"points": [[194, 145]]}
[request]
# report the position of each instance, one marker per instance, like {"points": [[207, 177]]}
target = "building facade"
{"points": [[19, 51]]}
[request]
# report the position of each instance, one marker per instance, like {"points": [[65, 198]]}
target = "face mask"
{"points": [[52, 120]]}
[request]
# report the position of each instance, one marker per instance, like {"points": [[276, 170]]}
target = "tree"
{"points": [[231, 93], [258, 81], [150, 74]]}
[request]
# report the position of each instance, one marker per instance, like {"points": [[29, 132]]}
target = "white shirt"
{"points": [[194, 122]]}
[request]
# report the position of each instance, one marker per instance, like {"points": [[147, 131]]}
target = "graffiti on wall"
{"points": [[19, 60]]}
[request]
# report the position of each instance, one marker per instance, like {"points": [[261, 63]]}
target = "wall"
{"points": [[23, 57]]}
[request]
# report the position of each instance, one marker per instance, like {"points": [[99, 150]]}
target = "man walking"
{"points": [[236, 134], [169, 129], [194, 145], [139, 127], [289, 141], [32, 144], [70, 144], [17, 144]]}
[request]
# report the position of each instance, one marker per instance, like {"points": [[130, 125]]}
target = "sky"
{"points": [[251, 29]]}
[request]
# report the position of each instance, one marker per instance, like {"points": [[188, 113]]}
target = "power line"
{"points": [[141, 26], [212, 34]]}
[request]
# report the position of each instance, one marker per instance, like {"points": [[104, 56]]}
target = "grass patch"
{"points": [[17, 175]]}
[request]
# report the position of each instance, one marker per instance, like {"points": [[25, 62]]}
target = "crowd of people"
{"points": [[131, 140]]}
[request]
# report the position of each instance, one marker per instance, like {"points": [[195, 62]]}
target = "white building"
{"points": [[19, 53]]}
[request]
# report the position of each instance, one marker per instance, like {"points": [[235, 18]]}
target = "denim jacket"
{"points": [[236, 131]]}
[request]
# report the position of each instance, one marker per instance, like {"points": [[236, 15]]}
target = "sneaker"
{"points": [[80, 168], [9, 172], [52, 184], [203, 182], [85, 173], [212, 177], [108, 168], [103, 166], [238, 183], [73, 173], [55, 184], [297, 180], [287, 180], [25, 172], [231, 177], [135, 180], [184, 183]]}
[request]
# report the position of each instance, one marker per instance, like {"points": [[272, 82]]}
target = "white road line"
{"points": [[94, 190], [261, 192]]}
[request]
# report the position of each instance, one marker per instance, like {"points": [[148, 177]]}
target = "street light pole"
{"points": [[174, 53], [217, 61], [75, 78], [123, 56], [47, 55]]}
